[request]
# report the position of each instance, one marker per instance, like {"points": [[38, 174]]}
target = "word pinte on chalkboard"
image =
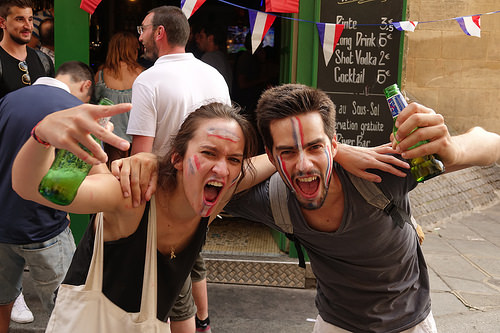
{"points": [[348, 23]]}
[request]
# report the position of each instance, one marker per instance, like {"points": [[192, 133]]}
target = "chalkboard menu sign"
{"points": [[364, 62]]}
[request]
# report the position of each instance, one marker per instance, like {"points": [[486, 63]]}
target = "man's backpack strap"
{"points": [[45, 61], [375, 197], [278, 196]]}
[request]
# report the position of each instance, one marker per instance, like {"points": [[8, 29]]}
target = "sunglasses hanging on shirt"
{"points": [[23, 66]]}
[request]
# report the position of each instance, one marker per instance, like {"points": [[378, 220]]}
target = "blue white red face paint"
{"points": [[210, 169], [194, 164], [304, 157], [223, 134], [329, 159]]}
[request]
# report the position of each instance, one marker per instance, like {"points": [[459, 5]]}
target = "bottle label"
{"points": [[396, 104]]}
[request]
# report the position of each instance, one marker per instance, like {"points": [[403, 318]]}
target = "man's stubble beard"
{"points": [[18, 40]]}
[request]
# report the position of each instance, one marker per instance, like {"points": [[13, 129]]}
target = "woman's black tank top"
{"points": [[124, 267]]}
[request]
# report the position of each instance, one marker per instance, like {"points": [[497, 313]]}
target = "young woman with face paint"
{"points": [[205, 164]]}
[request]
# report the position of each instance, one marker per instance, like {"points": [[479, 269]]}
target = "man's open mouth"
{"points": [[309, 186], [211, 191]]}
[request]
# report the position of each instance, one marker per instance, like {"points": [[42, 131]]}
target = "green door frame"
{"points": [[299, 62], [71, 42], [71, 32]]}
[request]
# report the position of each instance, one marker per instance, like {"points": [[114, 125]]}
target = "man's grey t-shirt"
{"points": [[371, 274]]}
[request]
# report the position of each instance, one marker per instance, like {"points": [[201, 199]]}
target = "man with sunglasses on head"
{"points": [[20, 64]]}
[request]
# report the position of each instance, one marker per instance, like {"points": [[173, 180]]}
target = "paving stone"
{"points": [[453, 266], [471, 287]]}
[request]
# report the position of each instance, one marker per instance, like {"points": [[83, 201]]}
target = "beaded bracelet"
{"points": [[33, 135]]}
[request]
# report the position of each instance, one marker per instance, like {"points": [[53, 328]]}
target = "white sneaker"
{"points": [[20, 311]]}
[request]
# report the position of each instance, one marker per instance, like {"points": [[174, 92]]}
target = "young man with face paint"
{"points": [[371, 274], [204, 165]]}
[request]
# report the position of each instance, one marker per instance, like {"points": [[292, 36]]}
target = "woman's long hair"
{"points": [[123, 47]]}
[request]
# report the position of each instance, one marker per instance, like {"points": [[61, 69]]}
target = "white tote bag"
{"points": [[85, 308]]}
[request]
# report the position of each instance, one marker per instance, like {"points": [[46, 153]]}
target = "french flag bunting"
{"points": [[282, 6], [190, 6], [471, 25], [405, 25], [259, 25], [89, 5], [329, 35]]}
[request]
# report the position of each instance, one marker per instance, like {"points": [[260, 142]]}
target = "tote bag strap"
{"points": [[149, 287], [94, 276]]}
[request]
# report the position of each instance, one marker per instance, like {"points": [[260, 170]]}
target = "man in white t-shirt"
{"points": [[162, 96], [174, 86]]}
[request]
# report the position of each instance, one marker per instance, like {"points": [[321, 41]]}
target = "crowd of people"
{"points": [[180, 153]]}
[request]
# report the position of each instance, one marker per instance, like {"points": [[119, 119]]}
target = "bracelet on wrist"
{"points": [[33, 135]]}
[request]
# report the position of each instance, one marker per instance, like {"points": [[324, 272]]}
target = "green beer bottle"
{"points": [[67, 173], [424, 167]]}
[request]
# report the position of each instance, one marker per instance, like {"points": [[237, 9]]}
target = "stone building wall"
{"points": [[455, 74], [450, 195]]}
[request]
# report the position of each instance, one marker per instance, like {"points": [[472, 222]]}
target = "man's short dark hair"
{"points": [[218, 33], [175, 23], [78, 71], [291, 100], [5, 6]]}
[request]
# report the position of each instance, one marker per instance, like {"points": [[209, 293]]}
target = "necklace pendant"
{"points": [[172, 253]]}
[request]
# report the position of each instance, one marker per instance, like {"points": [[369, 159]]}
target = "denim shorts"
{"points": [[48, 262]]}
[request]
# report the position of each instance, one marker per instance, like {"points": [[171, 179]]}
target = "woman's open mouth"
{"points": [[211, 192]]}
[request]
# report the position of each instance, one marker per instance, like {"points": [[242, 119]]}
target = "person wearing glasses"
{"points": [[162, 96], [20, 64]]}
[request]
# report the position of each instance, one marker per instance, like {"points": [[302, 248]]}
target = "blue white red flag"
{"points": [[190, 6], [259, 25], [471, 25], [282, 6], [405, 25], [89, 5], [329, 35]]}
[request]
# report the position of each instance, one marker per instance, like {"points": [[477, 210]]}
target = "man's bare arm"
{"points": [[142, 144], [475, 147]]}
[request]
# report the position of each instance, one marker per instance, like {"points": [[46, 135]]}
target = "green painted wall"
{"points": [[71, 42], [71, 32], [308, 43]]}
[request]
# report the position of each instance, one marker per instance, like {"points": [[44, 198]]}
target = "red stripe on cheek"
{"points": [[196, 162], [285, 171]]}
